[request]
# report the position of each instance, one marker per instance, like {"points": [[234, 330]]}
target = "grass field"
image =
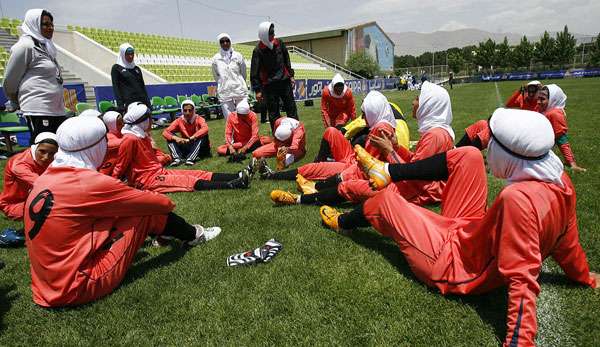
{"points": [[323, 288]]}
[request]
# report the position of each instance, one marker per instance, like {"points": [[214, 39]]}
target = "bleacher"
{"points": [[10, 25], [182, 59]]}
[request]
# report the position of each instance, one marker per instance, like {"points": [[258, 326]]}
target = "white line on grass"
{"points": [[552, 325]]}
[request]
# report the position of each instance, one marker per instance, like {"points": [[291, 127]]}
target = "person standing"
{"points": [[32, 80], [229, 71], [271, 73], [127, 80]]}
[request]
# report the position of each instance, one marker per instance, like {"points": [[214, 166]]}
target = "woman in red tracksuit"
{"points": [[114, 124], [84, 228], [138, 163], [467, 250], [22, 170], [289, 145], [241, 131], [380, 119], [433, 112], [192, 142], [337, 104]]}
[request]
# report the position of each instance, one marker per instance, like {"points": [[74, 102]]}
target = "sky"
{"points": [[205, 19]]}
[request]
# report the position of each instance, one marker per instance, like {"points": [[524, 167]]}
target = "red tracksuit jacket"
{"points": [[337, 111], [517, 100], [198, 128], [241, 129]]}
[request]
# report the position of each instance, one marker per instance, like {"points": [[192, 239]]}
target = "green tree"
{"points": [[565, 44], [485, 53], [425, 59], [595, 52], [405, 61], [545, 49], [455, 61], [522, 54], [362, 64], [502, 56]]}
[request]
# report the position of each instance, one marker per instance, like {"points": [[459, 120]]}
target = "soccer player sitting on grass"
{"points": [[114, 124], [84, 228], [193, 141], [138, 162], [337, 104], [241, 131], [468, 250], [525, 98], [289, 145]]}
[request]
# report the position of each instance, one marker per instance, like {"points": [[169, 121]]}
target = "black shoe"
{"points": [[264, 170], [252, 167], [243, 182]]}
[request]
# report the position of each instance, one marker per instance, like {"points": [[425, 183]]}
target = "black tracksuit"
{"points": [[128, 86]]}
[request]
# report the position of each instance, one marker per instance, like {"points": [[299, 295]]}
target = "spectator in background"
{"points": [[229, 71], [193, 140], [127, 80], [32, 80], [271, 73], [337, 104]]}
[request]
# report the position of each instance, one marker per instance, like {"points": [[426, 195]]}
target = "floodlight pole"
{"points": [[180, 22]]}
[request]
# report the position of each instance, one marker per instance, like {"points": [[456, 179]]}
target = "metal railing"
{"points": [[336, 67]]}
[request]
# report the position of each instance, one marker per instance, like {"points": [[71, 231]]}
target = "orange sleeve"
{"points": [[519, 262], [229, 131], [202, 128], [124, 158], [325, 108], [351, 104], [254, 135], [171, 130], [297, 139], [24, 173], [515, 100]]}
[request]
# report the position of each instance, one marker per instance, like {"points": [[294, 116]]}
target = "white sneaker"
{"points": [[204, 234]]}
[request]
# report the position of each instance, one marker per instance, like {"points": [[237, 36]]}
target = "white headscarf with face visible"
{"points": [[41, 137], [263, 34], [110, 119], [32, 26], [189, 102], [285, 128], [377, 109], [135, 111], [556, 98], [121, 58], [337, 79], [527, 135], [434, 109], [81, 143], [226, 54]]}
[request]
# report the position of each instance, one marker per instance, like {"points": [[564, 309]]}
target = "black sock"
{"points": [[289, 175], [353, 219], [434, 168], [328, 196], [178, 228], [212, 185], [330, 182], [465, 141], [324, 152], [223, 177]]}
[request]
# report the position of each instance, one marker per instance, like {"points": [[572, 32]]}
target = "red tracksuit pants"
{"points": [[171, 181], [342, 153]]}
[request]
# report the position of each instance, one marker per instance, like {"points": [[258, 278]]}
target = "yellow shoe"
{"points": [[280, 160], [372, 167], [329, 216], [305, 186], [281, 197]]}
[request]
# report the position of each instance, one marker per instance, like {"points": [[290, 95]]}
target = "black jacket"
{"points": [[128, 86], [270, 65]]}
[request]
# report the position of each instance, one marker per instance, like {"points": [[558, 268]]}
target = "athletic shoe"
{"points": [[264, 170], [205, 234], [241, 182], [252, 167], [189, 162], [280, 161], [305, 186], [176, 162], [330, 217], [12, 238], [281, 197], [373, 168]]}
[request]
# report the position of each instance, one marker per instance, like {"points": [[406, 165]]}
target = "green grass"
{"points": [[323, 288]]}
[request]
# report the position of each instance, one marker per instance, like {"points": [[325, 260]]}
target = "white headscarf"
{"points": [[81, 143], [32, 26], [110, 119], [226, 54], [521, 147], [121, 58], [90, 113], [189, 102], [534, 83], [135, 112], [337, 79], [556, 97], [377, 109], [41, 137], [285, 128], [242, 107], [434, 109], [263, 34]]}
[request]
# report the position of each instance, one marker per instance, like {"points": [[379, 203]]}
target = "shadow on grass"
{"points": [[7, 296], [139, 269]]}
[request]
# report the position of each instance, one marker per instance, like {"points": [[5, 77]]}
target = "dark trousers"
{"points": [[276, 92], [40, 124], [191, 150]]}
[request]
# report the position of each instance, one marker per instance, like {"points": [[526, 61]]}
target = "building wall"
{"points": [[371, 39], [332, 49]]}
